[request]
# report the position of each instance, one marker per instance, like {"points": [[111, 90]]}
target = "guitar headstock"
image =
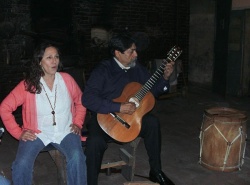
{"points": [[174, 53]]}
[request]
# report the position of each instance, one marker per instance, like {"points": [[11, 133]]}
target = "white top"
{"points": [[63, 115], [120, 64]]}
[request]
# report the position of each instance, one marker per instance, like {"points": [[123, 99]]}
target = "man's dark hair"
{"points": [[120, 42]]}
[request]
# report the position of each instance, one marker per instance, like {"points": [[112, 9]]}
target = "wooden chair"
{"points": [[127, 155]]}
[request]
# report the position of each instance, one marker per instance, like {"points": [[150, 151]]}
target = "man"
{"points": [[106, 83]]}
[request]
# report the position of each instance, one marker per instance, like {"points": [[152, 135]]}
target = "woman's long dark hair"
{"points": [[32, 80]]}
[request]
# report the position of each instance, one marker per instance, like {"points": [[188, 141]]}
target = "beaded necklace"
{"points": [[53, 108]]}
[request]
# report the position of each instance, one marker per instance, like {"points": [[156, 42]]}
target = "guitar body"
{"points": [[115, 128]]}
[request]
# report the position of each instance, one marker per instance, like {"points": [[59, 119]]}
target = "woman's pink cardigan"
{"points": [[19, 96]]}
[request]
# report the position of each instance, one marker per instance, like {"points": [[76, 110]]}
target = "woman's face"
{"points": [[50, 61]]}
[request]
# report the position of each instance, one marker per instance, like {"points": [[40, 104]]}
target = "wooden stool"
{"points": [[127, 155]]}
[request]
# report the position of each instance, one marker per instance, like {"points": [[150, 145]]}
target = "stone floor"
{"points": [[181, 120]]}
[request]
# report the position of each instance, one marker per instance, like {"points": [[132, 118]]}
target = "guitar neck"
{"points": [[173, 54], [152, 81]]}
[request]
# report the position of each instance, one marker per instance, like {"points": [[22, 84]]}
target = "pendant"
{"points": [[54, 120]]}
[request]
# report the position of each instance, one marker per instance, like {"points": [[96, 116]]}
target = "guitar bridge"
{"points": [[123, 122]]}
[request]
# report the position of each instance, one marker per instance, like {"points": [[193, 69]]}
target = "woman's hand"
{"points": [[169, 68], [28, 135], [75, 129]]}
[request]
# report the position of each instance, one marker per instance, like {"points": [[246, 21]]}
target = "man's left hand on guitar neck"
{"points": [[169, 68]]}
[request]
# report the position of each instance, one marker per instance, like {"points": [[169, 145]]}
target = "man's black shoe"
{"points": [[160, 178]]}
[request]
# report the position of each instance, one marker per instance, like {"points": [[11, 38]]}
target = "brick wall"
{"points": [[166, 23], [14, 16], [162, 24]]}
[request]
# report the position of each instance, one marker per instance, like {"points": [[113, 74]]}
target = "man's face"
{"points": [[128, 56]]}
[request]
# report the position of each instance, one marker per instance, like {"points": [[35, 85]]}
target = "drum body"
{"points": [[223, 139]]}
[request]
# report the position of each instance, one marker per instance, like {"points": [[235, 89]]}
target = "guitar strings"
{"points": [[158, 73]]}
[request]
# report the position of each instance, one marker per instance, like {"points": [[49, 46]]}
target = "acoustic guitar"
{"points": [[125, 127]]}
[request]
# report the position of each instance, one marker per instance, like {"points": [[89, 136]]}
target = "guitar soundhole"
{"points": [[135, 100]]}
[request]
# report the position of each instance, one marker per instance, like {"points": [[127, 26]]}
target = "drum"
{"points": [[223, 139]]}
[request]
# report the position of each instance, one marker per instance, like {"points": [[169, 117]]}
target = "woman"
{"points": [[52, 113]]}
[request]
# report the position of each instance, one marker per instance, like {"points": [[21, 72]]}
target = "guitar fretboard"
{"points": [[173, 54], [151, 82]]}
